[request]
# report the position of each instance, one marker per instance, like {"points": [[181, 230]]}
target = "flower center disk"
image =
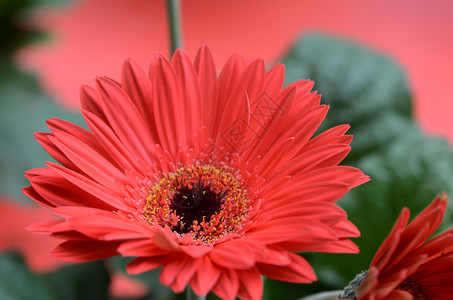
{"points": [[411, 286], [207, 202]]}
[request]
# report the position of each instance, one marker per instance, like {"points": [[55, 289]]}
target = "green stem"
{"points": [[190, 295], [174, 21], [323, 296]]}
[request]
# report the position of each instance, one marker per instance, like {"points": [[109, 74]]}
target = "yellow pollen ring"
{"points": [[229, 219]]}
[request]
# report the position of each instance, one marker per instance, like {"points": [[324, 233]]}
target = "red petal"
{"points": [[90, 100], [101, 224], [143, 247], [57, 154], [389, 245], [168, 112], [145, 264], [138, 86], [171, 270], [275, 231], [273, 81], [300, 130], [326, 137], [274, 255], [227, 80], [368, 283], [422, 227], [190, 88], [88, 160], [113, 146], [233, 255], [82, 251], [90, 186], [228, 284], [43, 227], [125, 120], [205, 278], [204, 65], [251, 286], [185, 274], [196, 251], [165, 239], [57, 191], [32, 194], [298, 271], [323, 157]]}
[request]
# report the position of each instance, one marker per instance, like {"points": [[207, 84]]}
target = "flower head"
{"points": [[215, 178], [407, 267]]}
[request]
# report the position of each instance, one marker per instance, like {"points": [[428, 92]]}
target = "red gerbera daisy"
{"points": [[405, 267], [216, 179]]}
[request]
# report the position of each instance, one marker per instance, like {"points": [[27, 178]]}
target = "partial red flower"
{"points": [[215, 178], [405, 266]]}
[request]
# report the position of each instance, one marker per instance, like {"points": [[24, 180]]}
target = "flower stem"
{"points": [[323, 296], [190, 295], [174, 21]]}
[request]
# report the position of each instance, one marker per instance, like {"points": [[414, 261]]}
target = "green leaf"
{"points": [[16, 282], [23, 106], [15, 32], [82, 281], [77, 282]]}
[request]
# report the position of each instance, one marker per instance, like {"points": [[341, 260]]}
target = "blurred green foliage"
{"points": [[23, 110], [87, 281], [23, 106], [14, 32], [365, 89]]}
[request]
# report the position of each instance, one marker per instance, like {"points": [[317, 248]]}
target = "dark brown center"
{"points": [[198, 203], [411, 286]]}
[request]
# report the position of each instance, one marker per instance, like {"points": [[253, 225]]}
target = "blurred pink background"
{"points": [[34, 248], [93, 37]]}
